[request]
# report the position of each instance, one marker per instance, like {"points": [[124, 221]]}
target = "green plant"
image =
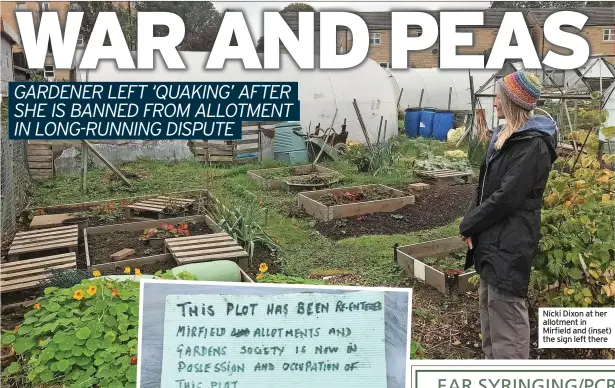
{"points": [[577, 249], [428, 161], [279, 278], [85, 335], [109, 212], [172, 205], [243, 226], [416, 351], [168, 275], [380, 159]]}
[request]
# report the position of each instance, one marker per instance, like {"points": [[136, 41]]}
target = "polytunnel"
{"points": [[321, 92]]}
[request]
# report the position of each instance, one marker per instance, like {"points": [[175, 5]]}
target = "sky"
{"points": [[253, 9]]}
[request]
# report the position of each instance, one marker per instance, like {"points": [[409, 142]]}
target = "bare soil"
{"points": [[437, 206], [102, 245], [343, 198]]}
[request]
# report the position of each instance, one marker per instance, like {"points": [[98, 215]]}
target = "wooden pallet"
{"points": [[40, 160], [445, 175], [64, 237], [26, 274], [207, 247], [155, 205], [248, 149]]}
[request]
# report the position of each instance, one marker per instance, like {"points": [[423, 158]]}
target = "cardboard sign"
{"points": [[288, 340]]}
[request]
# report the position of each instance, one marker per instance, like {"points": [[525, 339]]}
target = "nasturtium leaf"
{"points": [[92, 344], [121, 308], [76, 351], [63, 365], [53, 307], [79, 342], [50, 290], [99, 361], [29, 320], [67, 345], [83, 361], [23, 344], [110, 321], [46, 376], [83, 333], [110, 336], [13, 368], [7, 338], [132, 343], [75, 374], [131, 374], [87, 352], [23, 330]]}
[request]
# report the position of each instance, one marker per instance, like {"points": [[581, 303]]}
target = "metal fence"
{"points": [[14, 182]]}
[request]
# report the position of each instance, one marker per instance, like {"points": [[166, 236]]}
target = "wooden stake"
{"points": [[105, 161], [450, 94], [84, 165], [379, 129], [384, 135], [421, 99], [362, 124]]}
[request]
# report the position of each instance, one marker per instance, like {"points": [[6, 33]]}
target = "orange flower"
{"points": [[111, 207], [127, 270], [96, 273], [124, 203], [109, 286], [604, 179], [133, 360], [259, 276], [263, 268], [131, 350], [137, 272], [17, 328], [164, 226], [36, 306], [91, 290], [78, 295], [115, 293]]}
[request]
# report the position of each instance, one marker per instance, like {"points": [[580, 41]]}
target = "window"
{"points": [[80, 40], [349, 34], [49, 73], [374, 38], [21, 7], [609, 34], [45, 6], [386, 65]]}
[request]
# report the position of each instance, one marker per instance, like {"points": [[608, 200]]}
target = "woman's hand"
{"points": [[468, 241]]}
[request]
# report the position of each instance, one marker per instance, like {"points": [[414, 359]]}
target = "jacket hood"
{"points": [[536, 126]]}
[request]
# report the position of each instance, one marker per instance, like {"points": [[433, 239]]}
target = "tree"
{"points": [[297, 7], [91, 9], [201, 19], [551, 4]]}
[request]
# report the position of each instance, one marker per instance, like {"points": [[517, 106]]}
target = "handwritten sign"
{"points": [[288, 340]]}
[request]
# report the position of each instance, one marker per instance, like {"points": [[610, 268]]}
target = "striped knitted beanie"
{"points": [[522, 87]]}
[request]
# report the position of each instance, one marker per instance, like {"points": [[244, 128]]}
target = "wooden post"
{"points": [[362, 124], [379, 129], [84, 165], [421, 99], [105, 161], [450, 94], [384, 135], [399, 99]]}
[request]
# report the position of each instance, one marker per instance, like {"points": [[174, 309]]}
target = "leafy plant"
{"points": [[416, 351], [107, 213], [279, 278], [244, 226], [166, 231], [428, 161], [577, 249], [380, 159], [172, 205], [168, 275]]}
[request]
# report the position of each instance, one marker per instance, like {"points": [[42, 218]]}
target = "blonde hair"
{"points": [[515, 117]]}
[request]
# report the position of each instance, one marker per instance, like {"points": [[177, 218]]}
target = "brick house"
{"points": [[599, 31]]}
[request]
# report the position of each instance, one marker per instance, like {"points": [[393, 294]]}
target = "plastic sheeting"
{"points": [[320, 91]]}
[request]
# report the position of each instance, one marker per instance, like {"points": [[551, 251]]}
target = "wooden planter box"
{"points": [[308, 201], [278, 183], [138, 261], [409, 258]]}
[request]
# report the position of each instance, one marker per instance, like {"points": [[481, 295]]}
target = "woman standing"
{"points": [[502, 226]]}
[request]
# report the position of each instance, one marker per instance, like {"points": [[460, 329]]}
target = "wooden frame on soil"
{"points": [[278, 183], [141, 225], [409, 258], [308, 200], [84, 205]]}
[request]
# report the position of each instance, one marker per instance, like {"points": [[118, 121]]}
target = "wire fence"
{"points": [[14, 183]]}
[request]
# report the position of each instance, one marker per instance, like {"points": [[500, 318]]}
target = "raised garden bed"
{"points": [[433, 263], [111, 212], [345, 202], [102, 241], [296, 177], [435, 207]]}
